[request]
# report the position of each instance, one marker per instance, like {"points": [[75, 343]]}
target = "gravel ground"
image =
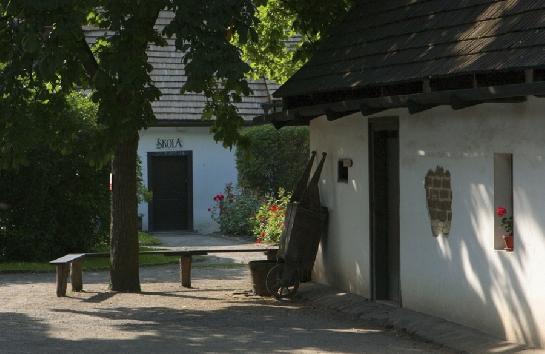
{"points": [[218, 315]]}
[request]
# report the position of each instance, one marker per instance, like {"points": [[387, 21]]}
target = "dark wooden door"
{"points": [[384, 173], [170, 183]]}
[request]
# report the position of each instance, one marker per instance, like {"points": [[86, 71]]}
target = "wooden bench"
{"points": [[186, 254], [73, 262]]}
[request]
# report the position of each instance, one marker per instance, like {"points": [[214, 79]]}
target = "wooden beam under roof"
{"points": [[457, 99]]}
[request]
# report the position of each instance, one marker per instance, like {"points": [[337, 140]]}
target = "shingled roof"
{"points": [[169, 76], [382, 43]]}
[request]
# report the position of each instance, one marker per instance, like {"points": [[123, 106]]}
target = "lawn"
{"points": [[99, 263]]}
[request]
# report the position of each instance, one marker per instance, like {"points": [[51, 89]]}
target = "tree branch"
{"points": [[87, 57]]}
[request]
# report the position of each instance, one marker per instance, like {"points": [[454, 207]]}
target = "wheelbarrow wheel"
{"points": [[282, 282]]}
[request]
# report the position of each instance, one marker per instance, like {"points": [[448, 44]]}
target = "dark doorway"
{"points": [[170, 180], [384, 207]]}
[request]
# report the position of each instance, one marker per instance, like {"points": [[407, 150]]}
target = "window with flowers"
{"points": [[503, 202]]}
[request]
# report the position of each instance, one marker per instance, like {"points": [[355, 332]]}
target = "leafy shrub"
{"points": [[273, 159], [145, 239], [55, 201], [234, 210], [269, 220], [143, 194]]}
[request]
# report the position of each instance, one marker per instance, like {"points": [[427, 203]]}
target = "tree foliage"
{"points": [[287, 32], [273, 53], [44, 56], [58, 203], [43, 52]]}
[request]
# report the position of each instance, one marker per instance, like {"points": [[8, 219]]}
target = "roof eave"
{"points": [[415, 103]]}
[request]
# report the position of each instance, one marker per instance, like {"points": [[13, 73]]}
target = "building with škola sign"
{"points": [[433, 117], [181, 163]]}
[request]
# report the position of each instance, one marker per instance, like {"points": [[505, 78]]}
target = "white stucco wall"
{"points": [[460, 277], [343, 261], [213, 167]]}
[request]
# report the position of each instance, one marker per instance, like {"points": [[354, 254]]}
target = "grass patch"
{"points": [[89, 264], [17, 267], [97, 263], [103, 263], [145, 239], [146, 260]]}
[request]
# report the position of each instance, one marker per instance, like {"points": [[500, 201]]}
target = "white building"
{"points": [[436, 104], [181, 163], [184, 168]]}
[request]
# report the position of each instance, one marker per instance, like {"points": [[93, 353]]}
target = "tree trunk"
{"points": [[124, 272]]}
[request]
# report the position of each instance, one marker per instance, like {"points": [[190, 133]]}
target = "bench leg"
{"points": [[185, 271], [76, 276], [62, 278]]}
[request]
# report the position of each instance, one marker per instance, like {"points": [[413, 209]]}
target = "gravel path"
{"points": [[218, 315]]}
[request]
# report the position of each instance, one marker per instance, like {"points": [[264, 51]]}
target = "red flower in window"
{"points": [[501, 211], [274, 208]]}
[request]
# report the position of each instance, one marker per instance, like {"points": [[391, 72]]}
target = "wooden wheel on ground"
{"points": [[282, 282]]}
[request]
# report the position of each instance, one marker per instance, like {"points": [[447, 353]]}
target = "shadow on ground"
{"points": [[256, 328]]}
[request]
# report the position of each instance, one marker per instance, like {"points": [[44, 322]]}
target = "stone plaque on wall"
{"points": [[439, 200]]}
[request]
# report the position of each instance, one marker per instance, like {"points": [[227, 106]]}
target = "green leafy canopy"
{"points": [[44, 56], [287, 32]]}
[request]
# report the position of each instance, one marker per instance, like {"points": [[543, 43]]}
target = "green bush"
{"points": [[274, 158], [269, 220], [55, 202], [234, 211]]}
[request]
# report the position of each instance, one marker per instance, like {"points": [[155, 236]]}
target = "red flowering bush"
{"points": [[234, 210], [506, 221], [269, 220]]}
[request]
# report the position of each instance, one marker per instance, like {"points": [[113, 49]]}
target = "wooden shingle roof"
{"points": [[386, 42], [169, 75]]}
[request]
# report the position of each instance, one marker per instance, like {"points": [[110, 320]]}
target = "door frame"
{"points": [[375, 125], [189, 155]]}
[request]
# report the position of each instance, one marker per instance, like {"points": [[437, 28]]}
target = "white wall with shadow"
{"points": [[462, 277], [343, 258]]}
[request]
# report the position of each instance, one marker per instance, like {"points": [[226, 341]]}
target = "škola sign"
{"points": [[169, 143]]}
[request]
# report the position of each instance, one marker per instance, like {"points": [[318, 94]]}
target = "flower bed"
{"points": [[269, 220]]}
